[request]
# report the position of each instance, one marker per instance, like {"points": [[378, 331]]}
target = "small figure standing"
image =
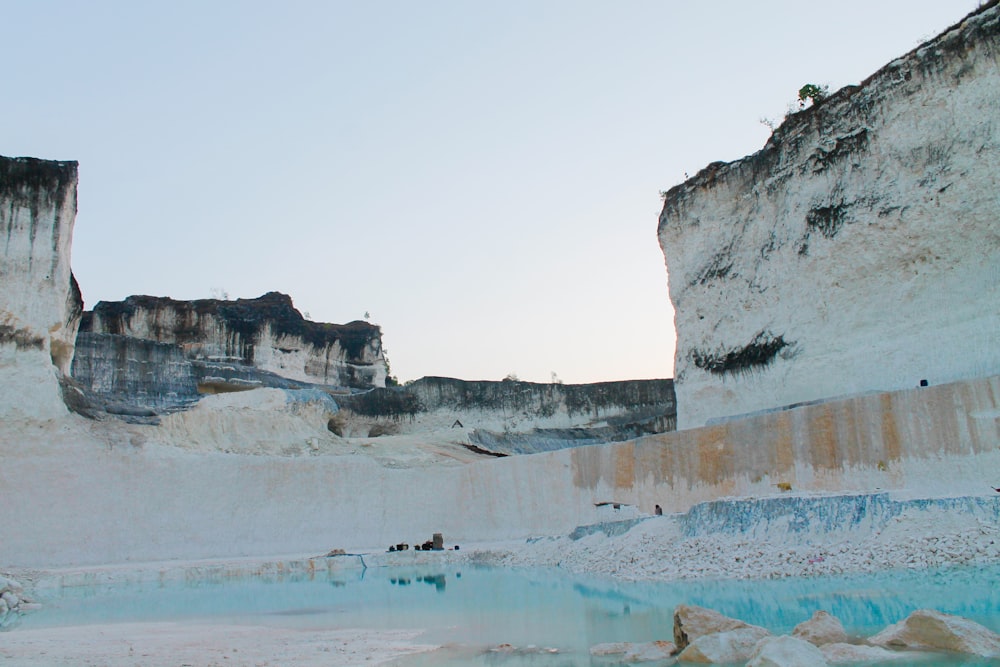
{"points": [[658, 511]]}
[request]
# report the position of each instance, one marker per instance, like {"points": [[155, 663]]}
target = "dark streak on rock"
{"points": [[21, 338], [717, 268], [757, 354], [36, 185], [827, 220], [486, 452], [394, 403], [29, 182]]}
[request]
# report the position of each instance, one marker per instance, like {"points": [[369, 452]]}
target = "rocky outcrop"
{"points": [[40, 302], [514, 417], [857, 251]]}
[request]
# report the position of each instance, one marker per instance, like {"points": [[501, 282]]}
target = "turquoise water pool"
{"points": [[472, 608]]}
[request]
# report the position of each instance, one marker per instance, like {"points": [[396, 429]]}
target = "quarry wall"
{"points": [[266, 333], [515, 417], [87, 498], [40, 302], [858, 251], [124, 374]]}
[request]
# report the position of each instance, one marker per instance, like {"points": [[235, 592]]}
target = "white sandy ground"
{"points": [[654, 550], [202, 645]]}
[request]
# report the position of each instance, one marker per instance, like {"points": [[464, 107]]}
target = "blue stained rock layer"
{"points": [[821, 514]]}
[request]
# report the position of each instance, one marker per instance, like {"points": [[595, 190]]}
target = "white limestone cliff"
{"points": [[858, 251], [40, 303]]}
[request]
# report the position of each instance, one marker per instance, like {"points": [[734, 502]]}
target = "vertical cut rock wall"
{"points": [[134, 372], [267, 333], [858, 251], [40, 303]]}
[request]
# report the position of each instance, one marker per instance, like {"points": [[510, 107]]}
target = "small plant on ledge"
{"points": [[812, 92]]}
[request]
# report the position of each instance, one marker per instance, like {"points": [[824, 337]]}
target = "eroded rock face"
{"points": [[857, 251], [926, 629], [266, 333], [40, 303]]}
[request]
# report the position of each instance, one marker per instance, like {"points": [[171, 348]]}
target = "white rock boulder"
{"points": [[610, 648], [821, 629], [656, 651], [926, 629], [11, 601], [786, 652], [852, 654], [724, 647], [691, 622]]}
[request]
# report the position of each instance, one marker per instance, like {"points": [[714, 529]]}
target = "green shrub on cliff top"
{"points": [[811, 91]]}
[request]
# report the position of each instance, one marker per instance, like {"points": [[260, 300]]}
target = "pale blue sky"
{"points": [[483, 178]]}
